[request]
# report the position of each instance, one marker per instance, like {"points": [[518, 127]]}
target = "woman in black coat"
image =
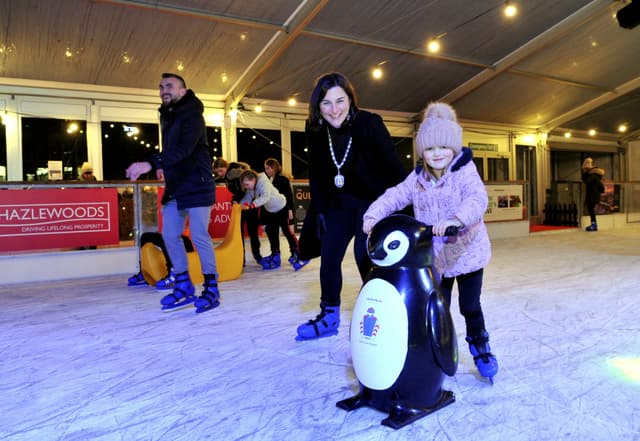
{"points": [[352, 162], [592, 178]]}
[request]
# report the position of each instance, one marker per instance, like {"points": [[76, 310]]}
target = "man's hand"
{"points": [[136, 169]]}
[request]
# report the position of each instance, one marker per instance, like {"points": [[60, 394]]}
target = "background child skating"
{"points": [[446, 190], [260, 192], [283, 218]]}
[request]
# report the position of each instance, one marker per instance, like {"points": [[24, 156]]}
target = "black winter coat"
{"points": [[283, 185], [185, 157], [593, 182], [371, 167]]}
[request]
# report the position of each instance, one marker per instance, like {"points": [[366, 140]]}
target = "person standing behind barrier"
{"points": [[352, 161], [86, 172], [260, 192], [185, 165], [592, 178], [282, 219], [220, 167]]}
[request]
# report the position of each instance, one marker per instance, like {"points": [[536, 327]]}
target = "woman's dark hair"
{"points": [[323, 84], [274, 164]]}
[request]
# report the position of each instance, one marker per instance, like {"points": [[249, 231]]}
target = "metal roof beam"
{"points": [[270, 53], [578, 111], [196, 13], [534, 45]]}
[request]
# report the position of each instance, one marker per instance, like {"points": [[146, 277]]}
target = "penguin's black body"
{"points": [[403, 339]]}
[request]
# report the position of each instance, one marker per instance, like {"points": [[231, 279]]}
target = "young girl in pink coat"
{"points": [[446, 190]]}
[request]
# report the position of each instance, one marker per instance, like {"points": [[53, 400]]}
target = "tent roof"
{"points": [[558, 64]]}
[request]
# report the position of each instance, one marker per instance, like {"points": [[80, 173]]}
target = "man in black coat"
{"points": [[185, 165]]}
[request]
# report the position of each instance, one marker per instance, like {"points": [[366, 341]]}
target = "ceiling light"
{"points": [[567, 134], [179, 65], [592, 132], [68, 53], [223, 77], [376, 73], [72, 127], [7, 49], [126, 59], [292, 101], [510, 10], [622, 128], [433, 46], [258, 108]]}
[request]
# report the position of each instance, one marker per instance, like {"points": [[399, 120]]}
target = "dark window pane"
{"points": [[48, 139], [479, 162], [404, 150], [498, 169], [124, 143], [256, 145], [299, 156]]}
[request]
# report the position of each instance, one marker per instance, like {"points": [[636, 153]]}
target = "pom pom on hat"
{"points": [[439, 128]]}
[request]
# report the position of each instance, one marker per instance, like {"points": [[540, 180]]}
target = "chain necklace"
{"points": [[338, 180]]}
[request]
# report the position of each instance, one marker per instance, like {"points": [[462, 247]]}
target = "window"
{"points": [[125, 143], [255, 146], [48, 139], [498, 169], [299, 155], [404, 150], [479, 162]]}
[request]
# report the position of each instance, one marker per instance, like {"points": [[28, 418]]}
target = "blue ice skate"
{"points": [[325, 324], [485, 361], [296, 262], [182, 295], [271, 262], [137, 280], [167, 284], [210, 297]]}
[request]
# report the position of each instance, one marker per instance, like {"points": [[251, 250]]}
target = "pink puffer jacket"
{"points": [[459, 193]]}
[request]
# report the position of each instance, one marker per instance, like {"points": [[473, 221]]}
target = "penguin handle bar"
{"points": [[450, 231]]}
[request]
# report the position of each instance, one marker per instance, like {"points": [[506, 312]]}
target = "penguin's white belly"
{"points": [[379, 334]]}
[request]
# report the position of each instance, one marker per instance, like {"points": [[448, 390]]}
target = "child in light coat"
{"points": [[448, 191], [260, 192]]}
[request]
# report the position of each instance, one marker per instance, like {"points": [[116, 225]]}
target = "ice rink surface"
{"points": [[92, 359]]}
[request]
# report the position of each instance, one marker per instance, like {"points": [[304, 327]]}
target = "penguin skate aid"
{"points": [[401, 321]]}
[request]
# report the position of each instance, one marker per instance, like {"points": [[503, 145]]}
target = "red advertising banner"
{"points": [[60, 218], [220, 212]]}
